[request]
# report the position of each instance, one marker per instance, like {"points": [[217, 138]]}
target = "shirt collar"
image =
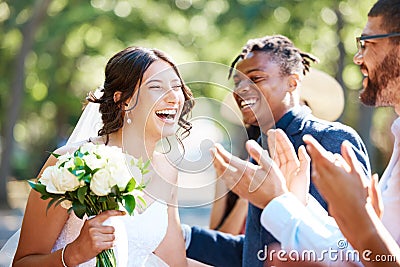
{"points": [[290, 123], [284, 122]]}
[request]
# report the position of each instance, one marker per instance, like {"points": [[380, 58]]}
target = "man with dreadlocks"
{"points": [[267, 80], [353, 203]]}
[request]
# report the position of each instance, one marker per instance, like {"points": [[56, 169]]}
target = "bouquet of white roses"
{"points": [[93, 179]]}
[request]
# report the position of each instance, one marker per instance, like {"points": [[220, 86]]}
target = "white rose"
{"points": [[65, 181], [47, 176], [58, 181], [102, 182], [101, 149], [63, 158], [93, 162], [70, 163], [88, 147], [119, 173], [114, 153], [114, 150]]}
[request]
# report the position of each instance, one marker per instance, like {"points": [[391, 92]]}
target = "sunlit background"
{"points": [[54, 51]]}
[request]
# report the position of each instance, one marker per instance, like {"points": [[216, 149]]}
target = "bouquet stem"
{"points": [[106, 258]]}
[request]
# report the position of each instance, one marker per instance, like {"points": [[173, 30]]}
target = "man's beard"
{"points": [[377, 92]]}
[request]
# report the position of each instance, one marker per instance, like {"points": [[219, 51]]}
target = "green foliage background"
{"points": [[75, 39]]}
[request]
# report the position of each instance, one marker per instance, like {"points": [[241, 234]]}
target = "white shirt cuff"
{"points": [[279, 213], [187, 234]]}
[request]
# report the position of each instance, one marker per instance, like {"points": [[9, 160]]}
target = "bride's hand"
{"points": [[93, 239]]}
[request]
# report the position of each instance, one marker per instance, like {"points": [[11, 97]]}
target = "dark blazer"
{"points": [[221, 249]]}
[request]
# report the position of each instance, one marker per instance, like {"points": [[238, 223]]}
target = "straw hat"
{"points": [[322, 93]]}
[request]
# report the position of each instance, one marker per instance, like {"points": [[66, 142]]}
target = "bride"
{"points": [[144, 99]]}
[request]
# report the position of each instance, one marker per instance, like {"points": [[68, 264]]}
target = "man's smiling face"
{"points": [[379, 63], [260, 89]]}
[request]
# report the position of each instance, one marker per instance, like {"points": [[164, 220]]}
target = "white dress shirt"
{"points": [[301, 228], [390, 187], [305, 230]]}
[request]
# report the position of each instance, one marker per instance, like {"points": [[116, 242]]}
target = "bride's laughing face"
{"points": [[160, 101]]}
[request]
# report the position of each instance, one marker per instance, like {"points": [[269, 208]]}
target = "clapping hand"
{"points": [[257, 183], [295, 170], [341, 181], [271, 178]]}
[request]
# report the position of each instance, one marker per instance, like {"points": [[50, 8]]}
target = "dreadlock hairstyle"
{"points": [[124, 72], [389, 11], [282, 51]]}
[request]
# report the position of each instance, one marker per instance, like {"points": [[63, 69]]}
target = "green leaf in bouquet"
{"points": [[61, 200], [142, 201], [55, 154], [86, 178], [51, 202], [45, 197], [78, 153], [142, 186], [130, 186], [87, 169], [38, 187], [139, 163], [79, 209], [145, 168], [78, 172], [103, 199], [146, 165], [119, 199], [95, 170], [111, 204], [130, 203], [69, 210], [79, 162], [115, 190], [82, 193], [71, 195]]}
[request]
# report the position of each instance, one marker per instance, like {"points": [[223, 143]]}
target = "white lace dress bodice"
{"points": [[136, 236]]}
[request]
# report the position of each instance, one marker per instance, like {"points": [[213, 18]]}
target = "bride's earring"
{"points": [[128, 120]]}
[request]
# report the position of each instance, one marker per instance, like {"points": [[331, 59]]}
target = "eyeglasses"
{"points": [[361, 40]]}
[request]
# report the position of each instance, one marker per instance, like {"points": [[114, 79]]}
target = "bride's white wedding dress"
{"points": [[136, 236]]}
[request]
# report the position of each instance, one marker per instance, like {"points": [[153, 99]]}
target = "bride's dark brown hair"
{"points": [[124, 72]]}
